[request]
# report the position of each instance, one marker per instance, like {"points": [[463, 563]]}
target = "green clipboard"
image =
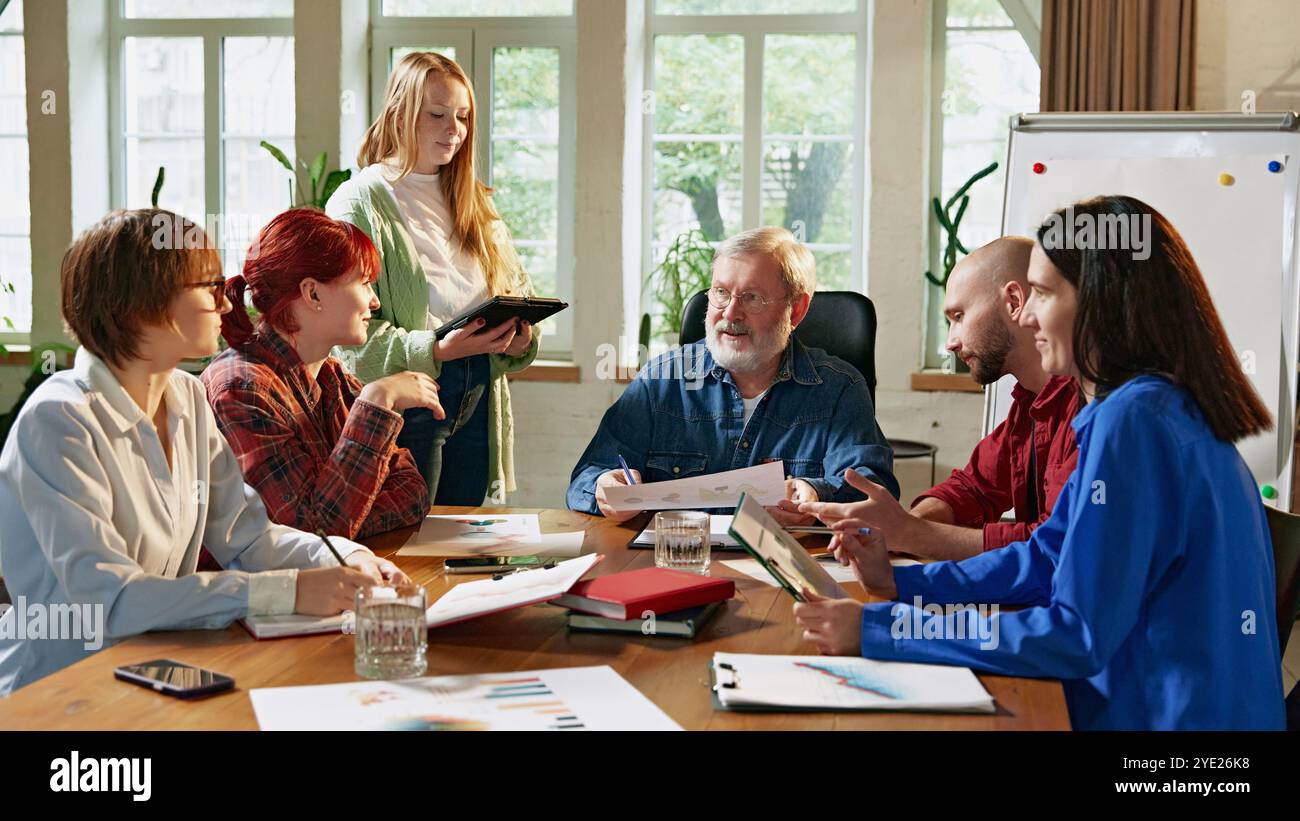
{"points": [[779, 553]]}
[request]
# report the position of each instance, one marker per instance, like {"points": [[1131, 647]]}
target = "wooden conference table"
{"points": [[673, 673]]}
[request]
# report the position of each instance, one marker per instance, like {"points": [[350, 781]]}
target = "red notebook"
{"points": [[629, 594]]}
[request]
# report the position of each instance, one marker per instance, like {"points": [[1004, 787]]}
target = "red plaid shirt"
{"points": [[997, 478], [321, 458]]}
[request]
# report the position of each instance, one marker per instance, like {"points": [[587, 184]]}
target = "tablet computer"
{"points": [[500, 309], [780, 554]]}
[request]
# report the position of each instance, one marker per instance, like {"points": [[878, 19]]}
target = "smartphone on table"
{"points": [[172, 678]]}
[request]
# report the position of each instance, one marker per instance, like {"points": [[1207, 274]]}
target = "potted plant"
{"points": [[950, 223], [320, 184], [686, 269]]}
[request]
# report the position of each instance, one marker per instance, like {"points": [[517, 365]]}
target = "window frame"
{"points": [[754, 29], [8, 337], [475, 39], [211, 31], [935, 328]]}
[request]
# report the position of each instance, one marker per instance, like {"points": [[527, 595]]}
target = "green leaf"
{"points": [[157, 186], [278, 154], [976, 177], [956, 221], [332, 182], [941, 216], [314, 175]]}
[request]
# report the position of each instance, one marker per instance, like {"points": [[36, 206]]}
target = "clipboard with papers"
{"points": [[743, 682], [779, 553]]}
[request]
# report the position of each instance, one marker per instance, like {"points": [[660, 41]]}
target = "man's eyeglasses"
{"points": [[216, 287], [750, 302]]}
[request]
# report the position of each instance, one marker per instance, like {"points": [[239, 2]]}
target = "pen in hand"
{"points": [[330, 545], [627, 472]]}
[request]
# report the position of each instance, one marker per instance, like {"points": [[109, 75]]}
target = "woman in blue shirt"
{"points": [[1150, 590]]}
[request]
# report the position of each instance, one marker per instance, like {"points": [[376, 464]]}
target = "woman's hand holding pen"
{"points": [[474, 339], [857, 546], [325, 591], [381, 570]]}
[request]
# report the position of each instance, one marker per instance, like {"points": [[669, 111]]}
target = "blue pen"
{"points": [[627, 472]]}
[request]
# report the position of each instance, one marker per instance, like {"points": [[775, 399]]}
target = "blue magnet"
{"points": [[1274, 166]]}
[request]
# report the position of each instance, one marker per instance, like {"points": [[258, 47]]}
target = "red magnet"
{"points": [[1039, 168]]}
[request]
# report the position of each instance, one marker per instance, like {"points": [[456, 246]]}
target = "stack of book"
{"points": [[654, 601]]}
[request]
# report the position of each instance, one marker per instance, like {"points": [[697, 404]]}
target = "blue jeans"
{"points": [[452, 453]]}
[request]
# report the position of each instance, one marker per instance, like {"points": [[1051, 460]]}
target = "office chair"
{"points": [[1285, 530]]}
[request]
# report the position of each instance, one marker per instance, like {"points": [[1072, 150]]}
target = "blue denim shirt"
{"points": [[683, 416]]}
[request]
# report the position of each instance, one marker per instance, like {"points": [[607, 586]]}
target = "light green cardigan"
{"points": [[398, 340]]}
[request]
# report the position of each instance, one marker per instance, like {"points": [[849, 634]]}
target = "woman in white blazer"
{"points": [[114, 475]]}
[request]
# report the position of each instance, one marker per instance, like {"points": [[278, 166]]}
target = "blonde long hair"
{"points": [[393, 136]]}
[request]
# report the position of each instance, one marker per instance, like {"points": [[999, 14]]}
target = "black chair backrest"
{"points": [[1285, 530], [842, 323]]}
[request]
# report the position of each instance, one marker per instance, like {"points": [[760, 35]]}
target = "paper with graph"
{"points": [[760, 682], [765, 483], [489, 534], [468, 600], [573, 698]]}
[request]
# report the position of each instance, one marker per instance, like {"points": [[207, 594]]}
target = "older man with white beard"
{"points": [[749, 393]]}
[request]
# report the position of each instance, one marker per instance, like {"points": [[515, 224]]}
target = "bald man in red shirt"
{"points": [[1023, 463]]}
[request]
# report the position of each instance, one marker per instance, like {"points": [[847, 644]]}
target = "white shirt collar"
{"points": [[95, 376]]}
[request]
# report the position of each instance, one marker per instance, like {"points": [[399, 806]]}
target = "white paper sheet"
{"points": [[766, 483], [837, 571], [719, 524], [574, 698], [847, 683], [477, 598], [274, 627], [718, 535], [489, 534]]}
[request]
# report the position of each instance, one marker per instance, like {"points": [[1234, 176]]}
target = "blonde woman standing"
{"points": [[443, 249]]}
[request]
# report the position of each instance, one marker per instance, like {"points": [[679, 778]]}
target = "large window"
{"points": [[520, 57], [989, 74], [197, 85], [757, 117], [15, 205]]}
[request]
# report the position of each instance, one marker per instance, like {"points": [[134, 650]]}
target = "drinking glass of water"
{"points": [[392, 640], [682, 540]]}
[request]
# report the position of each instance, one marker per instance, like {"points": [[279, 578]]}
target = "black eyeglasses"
{"points": [[216, 287]]}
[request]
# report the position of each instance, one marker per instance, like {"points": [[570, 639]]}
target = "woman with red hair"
{"points": [[320, 448]]}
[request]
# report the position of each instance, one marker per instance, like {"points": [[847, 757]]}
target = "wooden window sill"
{"points": [[20, 355], [939, 381], [548, 370]]}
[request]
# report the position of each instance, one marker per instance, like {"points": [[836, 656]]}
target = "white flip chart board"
{"points": [[1241, 234]]}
